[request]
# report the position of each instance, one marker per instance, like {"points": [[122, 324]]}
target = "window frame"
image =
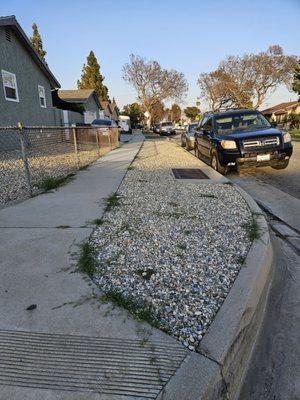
{"points": [[209, 119], [16, 100], [45, 105]]}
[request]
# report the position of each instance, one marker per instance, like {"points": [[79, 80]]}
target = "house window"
{"points": [[10, 86], [42, 96]]}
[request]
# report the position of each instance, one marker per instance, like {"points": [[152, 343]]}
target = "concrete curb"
{"points": [[216, 373]]}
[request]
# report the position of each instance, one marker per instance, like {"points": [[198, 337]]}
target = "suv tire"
{"points": [[215, 163], [281, 165]]}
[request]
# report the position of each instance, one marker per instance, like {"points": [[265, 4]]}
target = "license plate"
{"points": [[263, 157]]}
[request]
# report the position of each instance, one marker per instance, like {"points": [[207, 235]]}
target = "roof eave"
{"points": [[11, 21]]}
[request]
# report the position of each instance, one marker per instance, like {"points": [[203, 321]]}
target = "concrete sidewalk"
{"points": [[71, 346]]}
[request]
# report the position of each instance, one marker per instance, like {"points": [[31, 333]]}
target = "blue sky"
{"points": [[190, 36]]}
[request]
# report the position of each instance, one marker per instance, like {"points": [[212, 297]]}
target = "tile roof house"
{"points": [[280, 112], [25, 78], [87, 102]]}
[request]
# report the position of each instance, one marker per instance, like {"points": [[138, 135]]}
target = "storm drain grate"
{"points": [[189, 173], [129, 368]]}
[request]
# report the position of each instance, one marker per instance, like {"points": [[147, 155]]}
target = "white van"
{"points": [[124, 124]]}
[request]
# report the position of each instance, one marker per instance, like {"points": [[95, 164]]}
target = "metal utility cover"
{"points": [[189, 173]]}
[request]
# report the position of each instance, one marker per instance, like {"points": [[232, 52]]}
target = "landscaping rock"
{"points": [[172, 249]]}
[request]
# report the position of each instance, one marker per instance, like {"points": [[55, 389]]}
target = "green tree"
{"points": [[296, 80], [36, 40], [193, 113], [175, 113], [135, 112], [91, 77]]}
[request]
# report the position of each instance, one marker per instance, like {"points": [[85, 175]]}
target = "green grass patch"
{"points": [[241, 260], [49, 182], [141, 311], [112, 201], [97, 221], [252, 229], [87, 260]]}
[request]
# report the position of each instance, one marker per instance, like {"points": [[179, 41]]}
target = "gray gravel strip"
{"points": [[170, 249]]}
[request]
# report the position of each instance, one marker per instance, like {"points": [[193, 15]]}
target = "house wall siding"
{"points": [[14, 58], [92, 106]]}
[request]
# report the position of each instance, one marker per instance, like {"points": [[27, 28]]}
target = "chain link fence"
{"points": [[31, 155]]}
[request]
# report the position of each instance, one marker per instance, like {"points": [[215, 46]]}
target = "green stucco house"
{"points": [[25, 79]]}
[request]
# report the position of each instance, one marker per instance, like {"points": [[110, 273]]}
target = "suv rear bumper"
{"points": [[250, 159]]}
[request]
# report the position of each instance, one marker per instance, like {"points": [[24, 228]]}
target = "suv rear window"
{"points": [[240, 122]]}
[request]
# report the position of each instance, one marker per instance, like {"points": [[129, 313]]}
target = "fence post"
{"points": [[97, 140], [25, 159], [109, 136], [75, 146]]}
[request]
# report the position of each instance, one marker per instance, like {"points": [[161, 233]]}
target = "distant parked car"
{"points": [[241, 138], [155, 128], [166, 129], [188, 136], [104, 122]]}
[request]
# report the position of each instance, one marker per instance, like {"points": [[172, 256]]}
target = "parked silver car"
{"points": [[166, 129], [188, 136]]}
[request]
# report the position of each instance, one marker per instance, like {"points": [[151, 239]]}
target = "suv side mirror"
{"points": [[274, 124]]}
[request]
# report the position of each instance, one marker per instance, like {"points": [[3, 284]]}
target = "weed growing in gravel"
{"points": [[182, 246], [141, 311], [211, 196], [131, 167], [87, 261], [112, 201], [240, 260], [52, 182], [146, 274], [252, 229], [97, 221], [187, 232], [63, 226], [125, 227], [170, 215]]}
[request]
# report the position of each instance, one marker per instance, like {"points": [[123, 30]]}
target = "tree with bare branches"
{"points": [[245, 81], [153, 83]]}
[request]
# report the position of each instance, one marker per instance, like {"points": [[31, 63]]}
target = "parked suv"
{"points": [[241, 138]]}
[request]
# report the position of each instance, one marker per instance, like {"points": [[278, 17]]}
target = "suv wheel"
{"points": [[281, 165], [215, 164]]}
